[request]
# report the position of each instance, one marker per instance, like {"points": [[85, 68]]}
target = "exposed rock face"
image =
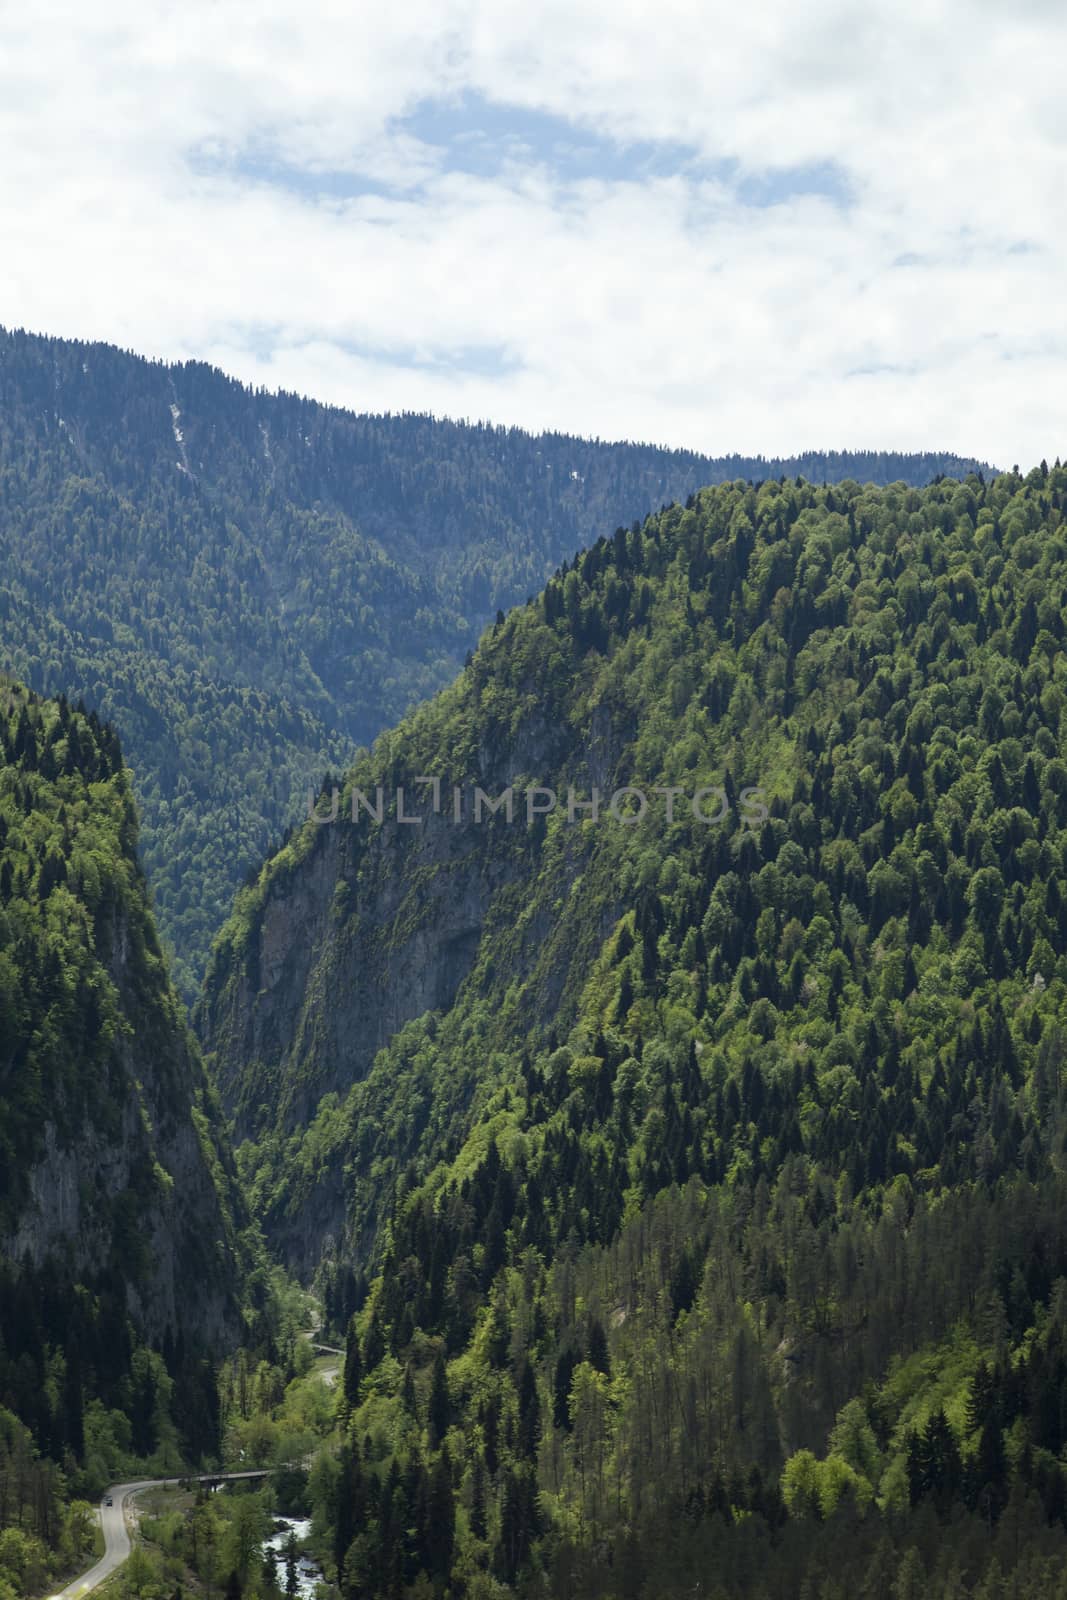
{"points": [[144, 1186], [179, 1258], [333, 989], [114, 1161], [362, 937], [372, 927]]}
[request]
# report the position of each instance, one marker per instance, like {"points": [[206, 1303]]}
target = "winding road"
{"points": [[329, 1375], [116, 1514]]}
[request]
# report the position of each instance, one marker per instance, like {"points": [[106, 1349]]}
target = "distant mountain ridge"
{"points": [[252, 585]]}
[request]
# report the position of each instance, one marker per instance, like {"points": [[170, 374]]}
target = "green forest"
{"points": [[533, 801], [685, 1195], [251, 586], [711, 1240]]}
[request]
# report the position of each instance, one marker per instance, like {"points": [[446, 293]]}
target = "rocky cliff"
{"points": [[362, 928], [358, 929], [112, 1167]]}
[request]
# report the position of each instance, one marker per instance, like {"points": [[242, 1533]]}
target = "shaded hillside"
{"points": [[250, 586], [121, 1270], [709, 1223]]}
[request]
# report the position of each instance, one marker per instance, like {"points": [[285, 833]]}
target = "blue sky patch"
{"points": [[489, 139]]}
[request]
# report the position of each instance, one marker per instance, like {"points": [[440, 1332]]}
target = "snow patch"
{"points": [[179, 440]]}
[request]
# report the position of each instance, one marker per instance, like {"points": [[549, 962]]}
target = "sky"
{"points": [[763, 228]]}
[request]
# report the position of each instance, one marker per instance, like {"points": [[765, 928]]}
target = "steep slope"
{"points": [[120, 1263], [251, 586], [710, 1225]]}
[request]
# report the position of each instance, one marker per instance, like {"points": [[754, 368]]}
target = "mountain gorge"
{"points": [[692, 1191], [251, 586], [651, 1054]]}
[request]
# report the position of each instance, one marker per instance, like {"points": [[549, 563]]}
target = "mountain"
{"points": [[691, 1184], [251, 586], [121, 1259]]}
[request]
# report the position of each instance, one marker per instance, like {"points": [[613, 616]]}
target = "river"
{"points": [[308, 1574]]}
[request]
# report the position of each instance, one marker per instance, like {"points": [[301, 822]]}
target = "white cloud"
{"points": [[173, 181]]}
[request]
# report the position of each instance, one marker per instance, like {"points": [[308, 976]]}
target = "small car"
{"points": [[109, 1501]]}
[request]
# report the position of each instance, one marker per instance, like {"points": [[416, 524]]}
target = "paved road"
{"points": [[116, 1520], [329, 1375]]}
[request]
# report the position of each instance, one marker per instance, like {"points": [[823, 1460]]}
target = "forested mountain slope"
{"points": [[121, 1265], [249, 586], [709, 1226]]}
